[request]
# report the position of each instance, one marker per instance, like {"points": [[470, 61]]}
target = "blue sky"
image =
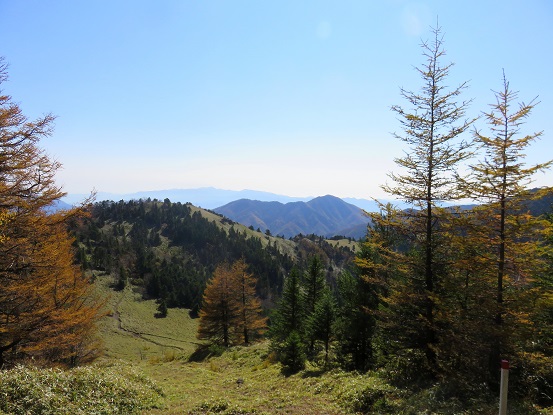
{"points": [[290, 97]]}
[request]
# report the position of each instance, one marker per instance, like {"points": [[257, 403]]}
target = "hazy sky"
{"points": [[291, 97]]}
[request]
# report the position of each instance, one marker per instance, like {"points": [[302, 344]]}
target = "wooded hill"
{"points": [[169, 250]]}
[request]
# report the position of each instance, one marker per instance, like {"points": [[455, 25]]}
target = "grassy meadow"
{"points": [[150, 367], [247, 380]]}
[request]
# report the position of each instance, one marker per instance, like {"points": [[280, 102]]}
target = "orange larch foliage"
{"points": [[231, 311], [47, 309]]}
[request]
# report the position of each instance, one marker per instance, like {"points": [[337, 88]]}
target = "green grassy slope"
{"points": [[131, 331], [246, 380]]}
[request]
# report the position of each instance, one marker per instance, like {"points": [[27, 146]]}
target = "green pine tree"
{"points": [[321, 323], [313, 284], [293, 353], [288, 315]]}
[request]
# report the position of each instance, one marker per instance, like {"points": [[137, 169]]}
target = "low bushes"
{"points": [[99, 390]]}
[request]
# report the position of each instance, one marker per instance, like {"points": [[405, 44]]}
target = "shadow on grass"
{"points": [[205, 351], [313, 373]]}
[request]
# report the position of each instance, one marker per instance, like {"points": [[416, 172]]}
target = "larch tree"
{"points": [[47, 308], [252, 323], [510, 239], [432, 129], [231, 311], [220, 306]]}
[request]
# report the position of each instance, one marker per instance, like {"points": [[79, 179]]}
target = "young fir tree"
{"points": [[313, 284], [288, 315], [321, 323], [161, 308], [292, 353], [432, 127]]}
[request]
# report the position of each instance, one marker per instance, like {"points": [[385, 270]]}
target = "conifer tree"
{"points": [[379, 298], [161, 308], [510, 239], [251, 321], [220, 307], [288, 315], [47, 308], [231, 311], [431, 130], [356, 322], [313, 284], [293, 353], [321, 323]]}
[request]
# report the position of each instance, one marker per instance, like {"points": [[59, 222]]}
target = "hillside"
{"points": [[169, 250], [245, 380], [325, 215]]}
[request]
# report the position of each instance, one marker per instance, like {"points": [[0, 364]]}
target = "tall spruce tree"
{"points": [[355, 324], [432, 127], [360, 295]]}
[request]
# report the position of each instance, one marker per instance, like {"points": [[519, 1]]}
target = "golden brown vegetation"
{"points": [[46, 307]]}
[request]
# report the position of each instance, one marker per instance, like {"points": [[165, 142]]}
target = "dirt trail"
{"points": [[141, 335]]}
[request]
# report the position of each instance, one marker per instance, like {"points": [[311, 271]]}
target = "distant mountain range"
{"points": [[211, 198], [326, 216]]}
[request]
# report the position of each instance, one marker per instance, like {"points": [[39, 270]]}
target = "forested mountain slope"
{"points": [[169, 250]]}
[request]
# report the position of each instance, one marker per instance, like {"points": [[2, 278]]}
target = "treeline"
{"points": [[171, 250]]}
